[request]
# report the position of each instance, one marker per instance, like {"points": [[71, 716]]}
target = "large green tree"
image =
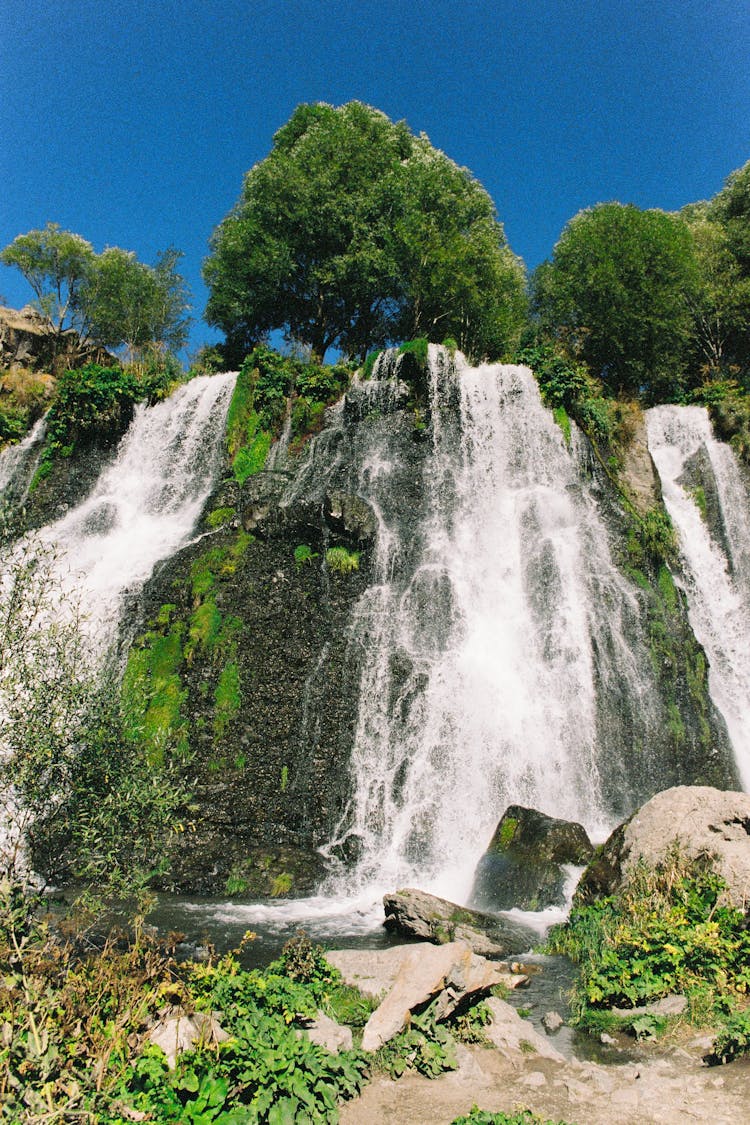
{"points": [[618, 294], [353, 233]]}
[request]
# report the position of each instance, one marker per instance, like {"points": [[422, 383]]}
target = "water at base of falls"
{"points": [[698, 472]]}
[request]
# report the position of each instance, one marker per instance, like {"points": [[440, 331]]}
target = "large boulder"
{"points": [[709, 825], [417, 914], [448, 974], [523, 865]]}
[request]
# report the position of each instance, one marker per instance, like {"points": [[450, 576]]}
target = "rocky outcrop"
{"points": [[523, 864], [408, 978], [29, 340], [708, 826], [417, 914]]}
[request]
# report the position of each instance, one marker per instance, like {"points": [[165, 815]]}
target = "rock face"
{"points": [[708, 824], [417, 914], [523, 865]]}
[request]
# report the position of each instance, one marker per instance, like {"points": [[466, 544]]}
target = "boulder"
{"points": [[514, 1036], [176, 1031], [332, 1036], [709, 825], [374, 971], [417, 914], [449, 974], [523, 865]]}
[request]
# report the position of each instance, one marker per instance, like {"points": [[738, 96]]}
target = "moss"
{"points": [[219, 516], [341, 561], [507, 832], [282, 885], [205, 628], [667, 588], [153, 696], [560, 416], [227, 698], [369, 365], [251, 458]]}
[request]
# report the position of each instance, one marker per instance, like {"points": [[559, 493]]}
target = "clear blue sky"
{"points": [[133, 122]]}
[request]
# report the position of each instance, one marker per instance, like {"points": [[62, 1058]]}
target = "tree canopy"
{"points": [[355, 233], [110, 299], [617, 294]]}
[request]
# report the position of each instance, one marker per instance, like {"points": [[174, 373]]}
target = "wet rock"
{"points": [[415, 913], [711, 826], [523, 865], [552, 1021]]}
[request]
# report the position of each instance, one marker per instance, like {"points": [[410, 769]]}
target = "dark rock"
{"points": [[523, 865], [417, 914]]}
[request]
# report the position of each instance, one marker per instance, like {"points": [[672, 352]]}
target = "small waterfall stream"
{"points": [[18, 462], [145, 504], [707, 495]]}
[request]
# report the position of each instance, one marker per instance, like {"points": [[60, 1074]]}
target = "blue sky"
{"points": [[132, 123]]}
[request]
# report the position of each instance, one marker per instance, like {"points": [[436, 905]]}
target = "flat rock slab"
{"points": [[447, 972], [417, 914], [374, 971]]}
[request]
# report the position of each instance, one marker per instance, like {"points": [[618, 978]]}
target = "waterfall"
{"points": [[18, 462], [707, 494], [145, 505], [482, 669]]}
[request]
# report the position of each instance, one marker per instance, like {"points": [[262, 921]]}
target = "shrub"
{"points": [[341, 561]]}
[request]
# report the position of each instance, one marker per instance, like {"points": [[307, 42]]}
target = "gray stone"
{"points": [[552, 1021], [709, 825], [673, 1005], [514, 1036], [415, 913], [176, 1031], [451, 973], [324, 1031]]}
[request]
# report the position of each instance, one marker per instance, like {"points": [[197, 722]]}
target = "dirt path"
{"points": [[673, 1089]]}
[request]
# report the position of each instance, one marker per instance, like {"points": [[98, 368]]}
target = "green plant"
{"points": [[665, 931], [425, 1046], [339, 560], [304, 554], [477, 1116]]}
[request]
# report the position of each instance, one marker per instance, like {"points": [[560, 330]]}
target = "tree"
{"points": [[125, 302], [56, 263], [720, 303], [353, 232], [617, 294], [731, 209], [110, 299]]}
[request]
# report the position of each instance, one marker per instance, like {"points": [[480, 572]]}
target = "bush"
{"points": [[667, 930]]}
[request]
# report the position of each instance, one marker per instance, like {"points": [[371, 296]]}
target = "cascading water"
{"points": [[18, 462], [480, 680], [707, 495], [145, 504]]}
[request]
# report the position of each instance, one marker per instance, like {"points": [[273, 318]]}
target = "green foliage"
{"points": [[125, 302], [80, 795], [152, 693], [220, 516], [477, 1116], [304, 554], [729, 408], [353, 232], [665, 931], [111, 298], [55, 263], [425, 1046], [339, 560], [369, 365], [733, 1038], [417, 348], [227, 698], [614, 296], [560, 415]]}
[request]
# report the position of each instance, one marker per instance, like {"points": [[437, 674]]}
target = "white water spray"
{"points": [[479, 686], [145, 505], [18, 462], [715, 567]]}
